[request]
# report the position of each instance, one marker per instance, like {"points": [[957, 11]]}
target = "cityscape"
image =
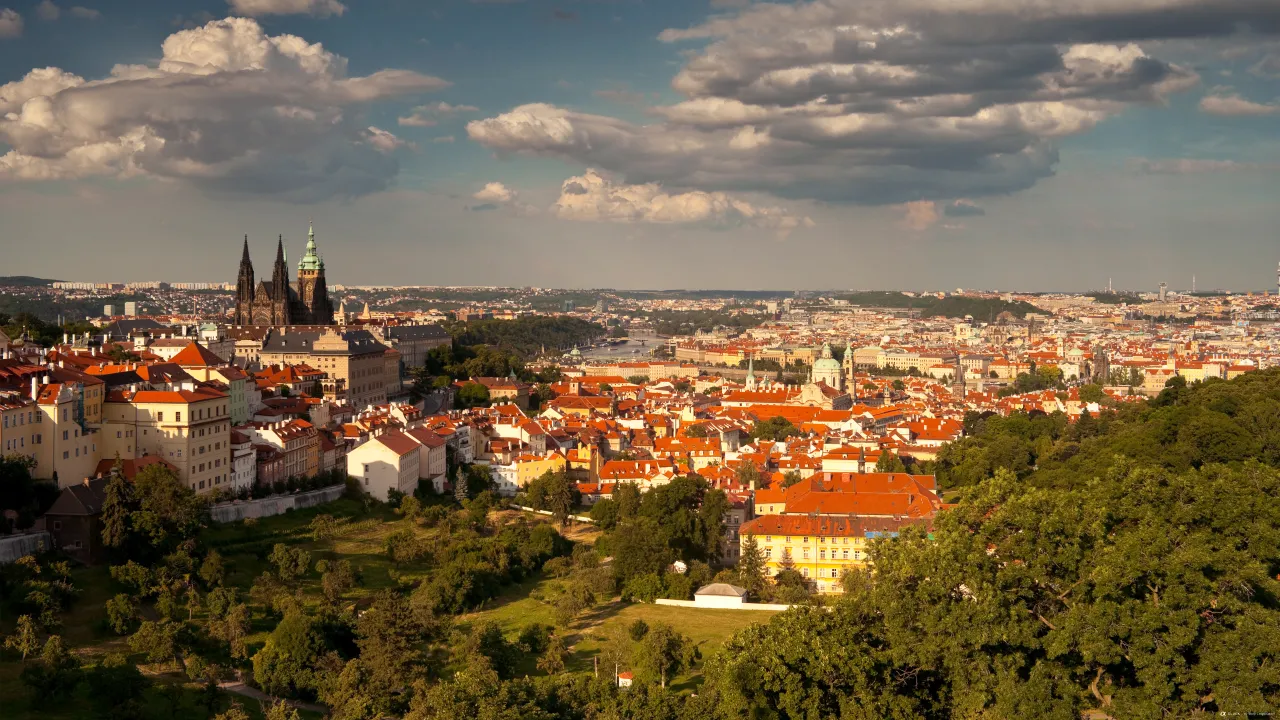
{"points": [[874, 360]]}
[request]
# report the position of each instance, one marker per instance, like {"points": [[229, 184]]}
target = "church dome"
{"points": [[826, 363]]}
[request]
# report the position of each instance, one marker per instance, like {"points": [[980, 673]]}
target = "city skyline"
{"points": [[635, 146]]}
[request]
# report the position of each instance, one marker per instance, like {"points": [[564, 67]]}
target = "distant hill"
{"points": [[24, 281]]}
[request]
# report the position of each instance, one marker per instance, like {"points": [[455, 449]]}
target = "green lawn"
{"points": [[709, 629]]}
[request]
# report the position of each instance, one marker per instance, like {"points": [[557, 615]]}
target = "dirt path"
{"points": [[239, 688]]}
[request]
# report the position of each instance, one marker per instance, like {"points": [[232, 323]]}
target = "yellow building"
{"points": [[20, 426], [531, 467], [190, 428], [352, 356], [820, 548]]}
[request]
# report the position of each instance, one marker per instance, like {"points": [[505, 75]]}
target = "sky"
{"points": [[834, 144]]}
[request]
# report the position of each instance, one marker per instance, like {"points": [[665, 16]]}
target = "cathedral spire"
{"points": [[244, 258], [310, 260]]}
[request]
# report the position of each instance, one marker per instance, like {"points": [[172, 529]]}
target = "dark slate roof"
{"points": [[82, 499], [416, 332], [294, 340]]}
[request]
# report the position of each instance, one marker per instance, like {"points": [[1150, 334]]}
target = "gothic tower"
{"points": [[244, 288], [280, 287]]}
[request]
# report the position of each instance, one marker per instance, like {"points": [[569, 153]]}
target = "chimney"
{"points": [[35, 387], [86, 481]]}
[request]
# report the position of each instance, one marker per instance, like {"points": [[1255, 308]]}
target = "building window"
{"points": [[57, 525], [65, 454], [79, 544], [177, 417]]}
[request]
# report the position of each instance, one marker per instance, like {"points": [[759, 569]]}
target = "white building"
{"points": [[387, 462], [244, 462], [720, 595]]}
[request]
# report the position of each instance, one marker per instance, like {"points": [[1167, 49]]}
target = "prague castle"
{"points": [[281, 302]]}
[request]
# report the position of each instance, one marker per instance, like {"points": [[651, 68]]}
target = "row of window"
{"points": [[66, 454], [21, 418], [215, 480], [822, 554], [16, 443], [788, 539]]}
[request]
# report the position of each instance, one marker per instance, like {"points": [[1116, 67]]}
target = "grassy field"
{"points": [[709, 629]]}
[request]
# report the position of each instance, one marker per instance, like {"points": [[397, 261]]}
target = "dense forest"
{"points": [[952, 306], [526, 336], [688, 322]]}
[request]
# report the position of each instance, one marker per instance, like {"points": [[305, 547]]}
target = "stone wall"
{"points": [[16, 546], [275, 505], [744, 606]]}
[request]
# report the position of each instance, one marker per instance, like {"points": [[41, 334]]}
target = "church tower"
{"points": [[280, 287], [313, 294], [244, 288]]}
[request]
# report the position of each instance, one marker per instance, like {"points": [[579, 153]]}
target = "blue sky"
{"points": [[629, 143]]}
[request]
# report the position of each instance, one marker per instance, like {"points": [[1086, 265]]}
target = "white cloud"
{"points": [[1233, 105], [495, 192], [84, 13], [425, 115], [886, 101], [316, 8], [10, 24], [920, 214], [384, 141], [593, 197], [227, 108], [443, 139], [46, 10]]}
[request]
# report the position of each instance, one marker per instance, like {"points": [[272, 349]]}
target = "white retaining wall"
{"points": [[579, 518], [17, 546], [276, 505], [743, 606]]}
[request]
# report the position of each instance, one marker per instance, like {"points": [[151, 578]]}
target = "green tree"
{"points": [[213, 570], [291, 563], [122, 613], [473, 394], [336, 579], [752, 572], [604, 513], [168, 511], [665, 653], [158, 640], [285, 666], [25, 638], [392, 642], [554, 491], [117, 506], [281, 710], [55, 676], [775, 428], [552, 661], [791, 477], [890, 463]]}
